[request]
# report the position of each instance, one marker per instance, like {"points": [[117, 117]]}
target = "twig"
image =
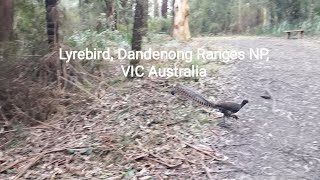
{"points": [[178, 122], [3, 145], [200, 150], [224, 171], [48, 125], [84, 90], [161, 161], [135, 158], [187, 160], [30, 164], [3, 116], [233, 145], [14, 130], [11, 165], [221, 171], [207, 170], [159, 176], [164, 163], [38, 157]]}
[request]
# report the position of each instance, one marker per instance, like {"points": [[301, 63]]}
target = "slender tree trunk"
{"points": [[111, 13], [80, 10], [265, 17], [181, 29], [139, 26], [52, 22], [155, 8], [164, 8], [240, 16], [227, 23], [312, 9], [172, 21], [145, 17], [6, 20]]}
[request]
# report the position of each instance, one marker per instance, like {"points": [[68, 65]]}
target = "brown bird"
{"points": [[227, 108]]}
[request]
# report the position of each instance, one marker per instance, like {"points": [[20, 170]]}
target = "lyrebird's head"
{"points": [[244, 102]]}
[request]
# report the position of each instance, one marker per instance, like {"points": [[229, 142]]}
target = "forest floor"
{"points": [[138, 130]]}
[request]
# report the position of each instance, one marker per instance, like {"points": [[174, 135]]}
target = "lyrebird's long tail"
{"points": [[191, 95]]}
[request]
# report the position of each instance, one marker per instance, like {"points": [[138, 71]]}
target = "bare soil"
{"points": [[275, 139]]}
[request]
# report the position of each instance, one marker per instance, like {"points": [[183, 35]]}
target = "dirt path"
{"points": [[284, 143]]}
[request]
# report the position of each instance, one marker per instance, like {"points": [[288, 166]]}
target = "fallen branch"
{"points": [[135, 158], [177, 122], [8, 142], [224, 171], [165, 163], [29, 128], [30, 164], [82, 89], [35, 159], [207, 170], [161, 160], [31, 118], [11, 165], [200, 150]]}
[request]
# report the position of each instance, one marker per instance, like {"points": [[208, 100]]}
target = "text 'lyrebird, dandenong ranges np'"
{"points": [[149, 54]]}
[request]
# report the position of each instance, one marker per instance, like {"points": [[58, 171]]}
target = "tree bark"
{"points": [[139, 24], [156, 8], [181, 29], [164, 8], [312, 11], [6, 20], [111, 13], [139, 28], [52, 22], [239, 16], [145, 18]]}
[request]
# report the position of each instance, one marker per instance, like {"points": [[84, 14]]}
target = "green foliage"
{"points": [[30, 25], [311, 27], [159, 25], [93, 39], [209, 17], [253, 16]]}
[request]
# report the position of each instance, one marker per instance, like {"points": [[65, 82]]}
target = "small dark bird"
{"points": [[227, 108]]}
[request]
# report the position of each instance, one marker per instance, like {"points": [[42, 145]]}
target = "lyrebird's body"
{"points": [[227, 108]]}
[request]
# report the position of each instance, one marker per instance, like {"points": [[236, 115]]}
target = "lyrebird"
{"points": [[227, 108]]}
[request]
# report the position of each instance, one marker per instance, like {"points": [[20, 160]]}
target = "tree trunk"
{"points": [[155, 8], [52, 22], [239, 16], [265, 17], [164, 8], [145, 18], [181, 29], [312, 12], [6, 20], [139, 26], [172, 21], [111, 13]]}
